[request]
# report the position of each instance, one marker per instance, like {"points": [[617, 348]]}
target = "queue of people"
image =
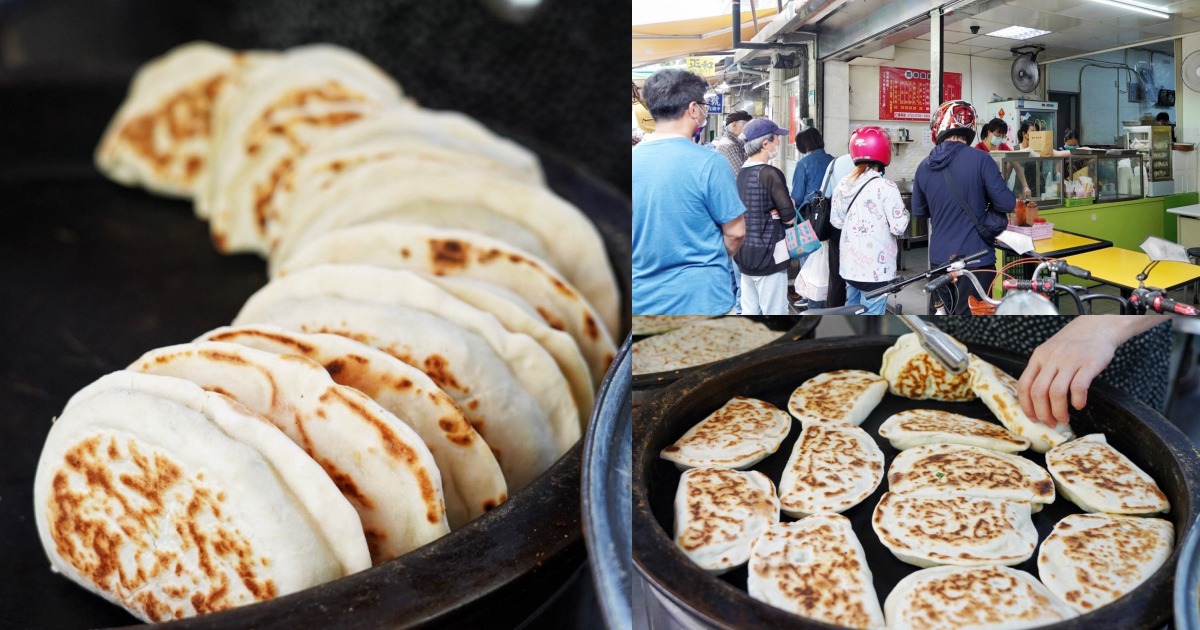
{"points": [[706, 222]]}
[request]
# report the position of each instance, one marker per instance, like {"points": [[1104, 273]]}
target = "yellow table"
{"points": [[1062, 244], [1120, 267]]}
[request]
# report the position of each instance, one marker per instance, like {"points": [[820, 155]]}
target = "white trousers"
{"points": [[765, 295]]}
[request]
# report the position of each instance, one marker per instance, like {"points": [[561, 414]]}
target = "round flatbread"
{"points": [[472, 481], [956, 530], [1090, 560], [918, 427], [939, 470], [161, 136], [150, 505], [529, 217], [284, 106], [460, 362], [833, 467], [847, 396], [740, 434], [1098, 478], [815, 568], [972, 598], [914, 373], [530, 365], [998, 391], [515, 314], [456, 253], [719, 513], [380, 464], [391, 144], [334, 517]]}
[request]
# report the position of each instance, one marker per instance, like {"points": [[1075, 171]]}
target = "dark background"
{"points": [[549, 80]]}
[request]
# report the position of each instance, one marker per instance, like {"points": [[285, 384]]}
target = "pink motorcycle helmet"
{"points": [[870, 144]]}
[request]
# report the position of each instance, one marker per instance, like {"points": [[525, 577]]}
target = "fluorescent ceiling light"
{"points": [[1018, 32], [1140, 7]]}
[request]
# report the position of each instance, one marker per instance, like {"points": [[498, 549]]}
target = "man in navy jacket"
{"points": [[978, 181]]}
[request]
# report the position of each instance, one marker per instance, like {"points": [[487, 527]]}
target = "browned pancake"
{"points": [[738, 435], [1098, 478], [720, 512], [949, 469], [918, 427], [958, 530], [833, 467]]}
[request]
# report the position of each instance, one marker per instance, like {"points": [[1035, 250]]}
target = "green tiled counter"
{"points": [[1125, 223]]}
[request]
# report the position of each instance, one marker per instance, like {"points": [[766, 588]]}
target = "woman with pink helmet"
{"points": [[869, 211]]}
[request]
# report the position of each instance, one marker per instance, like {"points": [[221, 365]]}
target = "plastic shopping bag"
{"points": [[812, 282]]}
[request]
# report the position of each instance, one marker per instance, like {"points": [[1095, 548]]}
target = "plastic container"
{"points": [[1040, 231]]}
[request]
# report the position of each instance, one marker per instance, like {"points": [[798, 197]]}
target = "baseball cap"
{"points": [[760, 127]]}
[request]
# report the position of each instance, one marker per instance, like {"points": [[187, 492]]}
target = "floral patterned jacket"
{"points": [[869, 227]]}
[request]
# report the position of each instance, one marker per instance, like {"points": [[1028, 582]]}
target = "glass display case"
{"points": [[1154, 142], [1118, 178], [1043, 176]]}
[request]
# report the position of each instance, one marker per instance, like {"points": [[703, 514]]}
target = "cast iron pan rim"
{"points": [[657, 380], [337, 592], [659, 560], [597, 531], [1187, 581]]}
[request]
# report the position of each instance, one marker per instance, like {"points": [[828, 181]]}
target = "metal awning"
{"points": [[653, 43]]}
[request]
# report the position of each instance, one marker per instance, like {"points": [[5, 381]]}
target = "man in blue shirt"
{"points": [[687, 215]]}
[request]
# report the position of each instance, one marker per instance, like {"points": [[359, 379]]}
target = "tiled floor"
{"points": [[913, 300]]}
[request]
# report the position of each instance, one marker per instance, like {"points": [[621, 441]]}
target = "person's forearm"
{"points": [[733, 243], [1126, 328]]}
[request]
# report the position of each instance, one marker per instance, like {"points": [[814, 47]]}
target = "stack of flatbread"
{"points": [[699, 342], [431, 342]]}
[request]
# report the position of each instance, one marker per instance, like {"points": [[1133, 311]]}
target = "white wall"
{"points": [[1187, 107], [1103, 101], [981, 78]]}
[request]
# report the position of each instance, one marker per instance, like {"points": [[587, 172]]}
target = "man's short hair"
{"points": [[1163, 116], [967, 135], [670, 91]]}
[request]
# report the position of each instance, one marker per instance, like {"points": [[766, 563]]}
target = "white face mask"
{"points": [[771, 154]]}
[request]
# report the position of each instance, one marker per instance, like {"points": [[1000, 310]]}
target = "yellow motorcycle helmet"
{"points": [[645, 121]]}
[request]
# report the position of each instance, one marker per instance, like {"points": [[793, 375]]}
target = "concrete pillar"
{"points": [[779, 108], [836, 107], [936, 62]]}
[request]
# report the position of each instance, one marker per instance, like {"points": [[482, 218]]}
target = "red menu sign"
{"points": [[793, 122], [904, 92]]}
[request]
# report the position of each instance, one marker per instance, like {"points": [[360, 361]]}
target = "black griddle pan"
{"points": [[93, 274], [771, 374]]}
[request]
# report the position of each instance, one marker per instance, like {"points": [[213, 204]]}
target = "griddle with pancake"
{"points": [[771, 374]]}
